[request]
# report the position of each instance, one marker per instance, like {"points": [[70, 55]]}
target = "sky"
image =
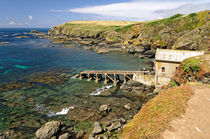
{"points": [[48, 13]]}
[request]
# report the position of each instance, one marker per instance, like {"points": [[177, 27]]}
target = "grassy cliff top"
{"points": [[187, 32], [104, 23]]}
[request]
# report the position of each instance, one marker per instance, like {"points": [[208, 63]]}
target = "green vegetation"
{"points": [[90, 30], [162, 33], [173, 83], [191, 64], [123, 29], [156, 115], [197, 63], [165, 21]]}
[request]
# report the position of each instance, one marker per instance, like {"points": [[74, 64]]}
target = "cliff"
{"points": [[189, 32]]}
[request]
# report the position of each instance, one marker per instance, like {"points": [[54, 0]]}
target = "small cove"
{"points": [[30, 59]]}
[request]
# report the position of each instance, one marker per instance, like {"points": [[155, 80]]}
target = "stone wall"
{"points": [[145, 78], [163, 78]]}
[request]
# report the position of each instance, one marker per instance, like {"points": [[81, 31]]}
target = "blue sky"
{"points": [[48, 13]]}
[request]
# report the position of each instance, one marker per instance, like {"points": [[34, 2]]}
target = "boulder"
{"points": [[87, 47], [104, 108], [127, 106], [64, 136], [149, 54], [80, 134], [97, 129], [115, 126], [48, 130], [102, 50]]}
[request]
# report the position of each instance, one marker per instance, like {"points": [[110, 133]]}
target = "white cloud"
{"points": [[57, 11], [30, 17], [12, 23], [142, 10]]}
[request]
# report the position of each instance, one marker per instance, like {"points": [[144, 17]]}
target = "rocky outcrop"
{"points": [[106, 130], [55, 129], [134, 88]]}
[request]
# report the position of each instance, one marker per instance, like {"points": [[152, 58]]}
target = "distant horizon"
{"points": [[49, 13]]}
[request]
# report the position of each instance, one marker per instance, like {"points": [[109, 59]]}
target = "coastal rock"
{"points": [[86, 42], [134, 88], [97, 129], [6, 134], [48, 130], [149, 54], [102, 50], [80, 134], [22, 36], [114, 126], [104, 108], [64, 136], [127, 106], [87, 47]]}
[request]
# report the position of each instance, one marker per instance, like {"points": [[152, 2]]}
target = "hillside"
{"points": [[188, 32], [189, 91]]}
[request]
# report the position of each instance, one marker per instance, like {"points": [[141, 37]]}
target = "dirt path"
{"points": [[195, 123]]}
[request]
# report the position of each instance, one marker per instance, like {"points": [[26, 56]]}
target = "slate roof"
{"points": [[175, 55]]}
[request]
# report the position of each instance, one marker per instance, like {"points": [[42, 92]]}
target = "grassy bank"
{"points": [[156, 115]]}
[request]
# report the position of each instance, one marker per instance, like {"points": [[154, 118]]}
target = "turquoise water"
{"points": [[41, 64]]}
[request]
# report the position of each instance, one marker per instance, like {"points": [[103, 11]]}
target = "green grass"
{"points": [[165, 21], [124, 28], [86, 29], [156, 115], [197, 63]]}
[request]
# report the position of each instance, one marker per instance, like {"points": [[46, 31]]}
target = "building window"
{"points": [[163, 69]]}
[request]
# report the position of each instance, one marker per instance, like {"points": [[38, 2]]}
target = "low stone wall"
{"points": [[145, 78]]}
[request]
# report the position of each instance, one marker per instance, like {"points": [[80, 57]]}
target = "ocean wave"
{"points": [[100, 90], [49, 113]]}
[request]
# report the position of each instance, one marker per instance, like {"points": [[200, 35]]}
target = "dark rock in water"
{"points": [[48, 130], [34, 31], [97, 129], [22, 36], [64, 136], [80, 134]]}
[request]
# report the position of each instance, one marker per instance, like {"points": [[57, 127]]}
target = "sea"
{"points": [[36, 83]]}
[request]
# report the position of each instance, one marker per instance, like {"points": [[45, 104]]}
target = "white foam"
{"points": [[64, 111], [100, 90], [51, 113]]}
